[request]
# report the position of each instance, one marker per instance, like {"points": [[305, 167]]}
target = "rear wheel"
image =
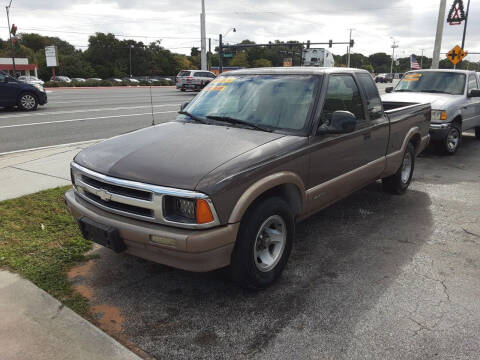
{"points": [[263, 244], [28, 102], [398, 183]]}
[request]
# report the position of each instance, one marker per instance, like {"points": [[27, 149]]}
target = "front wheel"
{"points": [[263, 244], [28, 102], [398, 183], [452, 141]]}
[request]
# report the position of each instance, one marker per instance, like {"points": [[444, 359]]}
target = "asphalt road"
{"points": [[375, 276], [76, 115]]}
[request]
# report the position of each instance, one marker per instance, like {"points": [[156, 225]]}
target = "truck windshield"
{"points": [[433, 82], [265, 101]]}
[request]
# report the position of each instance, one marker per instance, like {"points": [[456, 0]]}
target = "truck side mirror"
{"points": [[343, 122], [389, 89], [474, 93], [184, 105]]}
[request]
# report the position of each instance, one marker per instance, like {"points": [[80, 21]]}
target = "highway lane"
{"points": [[76, 115]]}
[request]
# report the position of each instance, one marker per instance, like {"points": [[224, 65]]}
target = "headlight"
{"points": [[39, 87], [439, 115], [192, 211]]}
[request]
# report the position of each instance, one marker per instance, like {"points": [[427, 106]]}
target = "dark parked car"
{"points": [[18, 93], [384, 78], [256, 151]]}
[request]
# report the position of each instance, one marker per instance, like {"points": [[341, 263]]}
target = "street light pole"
{"points": [[465, 26], [7, 8], [220, 49], [439, 35], [394, 46], [349, 50], [203, 38]]}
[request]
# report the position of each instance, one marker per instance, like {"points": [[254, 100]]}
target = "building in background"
{"points": [[21, 65]]}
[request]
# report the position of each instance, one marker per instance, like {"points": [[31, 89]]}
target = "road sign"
{"points": [[228, 55], [456, 55], [51, 55]]}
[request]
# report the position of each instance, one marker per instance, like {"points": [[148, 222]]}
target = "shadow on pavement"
{"points": [[343, 260]]}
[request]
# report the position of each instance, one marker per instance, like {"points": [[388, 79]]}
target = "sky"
{"points": [[411, 23]]}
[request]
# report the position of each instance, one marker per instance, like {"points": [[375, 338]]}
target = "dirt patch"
{"points": [[84, 290], [108, 317], [81, 270]]}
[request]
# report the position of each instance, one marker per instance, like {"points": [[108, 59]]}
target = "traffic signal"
{"points": [[330, 43], [352, 42], [308, 44], [13, 30]]}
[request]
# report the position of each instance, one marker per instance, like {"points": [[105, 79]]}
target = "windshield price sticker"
{"points": [[412, 77], [226, 80], [215, 88]]}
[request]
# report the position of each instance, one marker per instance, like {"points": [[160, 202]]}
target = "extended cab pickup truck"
{"points": [[455, 99], [255, 152]]}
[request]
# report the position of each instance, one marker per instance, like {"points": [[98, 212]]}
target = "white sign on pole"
{"points": [[51, 55]]}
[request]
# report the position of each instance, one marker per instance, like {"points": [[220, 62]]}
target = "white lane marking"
{"points": [[85, 119], [52, 147], [84, 110], [76, 101]]}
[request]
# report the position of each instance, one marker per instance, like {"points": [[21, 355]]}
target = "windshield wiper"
{"points": [[435, 91], [403, 90], [237, 121], [193, 117]]}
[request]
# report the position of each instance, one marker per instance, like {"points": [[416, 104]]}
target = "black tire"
{"points": [[449, 146], [398, 183], [245, 268], [182, 89], [27, 102], [477, 132]]}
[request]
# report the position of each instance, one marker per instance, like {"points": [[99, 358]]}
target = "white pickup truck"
{"points": [[455, 99]]}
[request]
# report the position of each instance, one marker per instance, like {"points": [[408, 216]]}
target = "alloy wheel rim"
{"points": [[406, 167], [453, 139], [270, 243], [28, 102]]}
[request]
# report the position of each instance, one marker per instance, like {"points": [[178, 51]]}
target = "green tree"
{"points": [[262, 63], [240, 60]]}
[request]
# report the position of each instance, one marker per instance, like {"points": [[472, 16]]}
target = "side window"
{"points": [[374, 101], [472, 83], [342, 94], [2, 77]]}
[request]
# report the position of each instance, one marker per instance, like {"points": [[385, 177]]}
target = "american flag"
{"points": [[414, 65]]}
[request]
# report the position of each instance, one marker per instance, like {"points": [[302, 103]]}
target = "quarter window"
{"points": [[374, 101], [342, 94], [472, 82]]}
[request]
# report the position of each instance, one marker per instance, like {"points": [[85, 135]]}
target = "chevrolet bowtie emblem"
{"points": [[104, 195]]}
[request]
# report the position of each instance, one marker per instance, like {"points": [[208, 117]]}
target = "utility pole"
{"points": [[421, 59], [209, 57], [465, 26], [394, 46], [349, 50], [439, 35], [10, 34], [203, 55], [220, 54]]}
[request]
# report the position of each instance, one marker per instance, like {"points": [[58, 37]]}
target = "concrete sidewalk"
{"points": [[35, 326], [27, 172]]}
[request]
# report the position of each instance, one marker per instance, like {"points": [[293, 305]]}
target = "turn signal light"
{"points": [[204, 213]]}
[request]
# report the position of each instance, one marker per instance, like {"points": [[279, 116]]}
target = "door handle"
{"points": [[367, 135]]}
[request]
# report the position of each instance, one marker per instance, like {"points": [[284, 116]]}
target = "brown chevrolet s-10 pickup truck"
{"points": [[255, 152]]}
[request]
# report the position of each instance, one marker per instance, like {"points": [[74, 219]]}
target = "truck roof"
{"points": [[443, 70], [294, 70]]}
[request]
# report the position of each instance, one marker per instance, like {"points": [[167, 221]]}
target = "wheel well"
{"points": [[289, 192], [415, 141], [26, 92], [458, 120]]}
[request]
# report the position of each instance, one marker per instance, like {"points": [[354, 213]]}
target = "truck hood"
{"points": [[438, 101], [173, 154]]}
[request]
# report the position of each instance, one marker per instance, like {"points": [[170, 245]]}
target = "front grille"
{"points": [[134, 199], [120, 190]]}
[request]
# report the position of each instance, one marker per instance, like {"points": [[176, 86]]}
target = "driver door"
{"points": [[8, 90], [341, 163]]}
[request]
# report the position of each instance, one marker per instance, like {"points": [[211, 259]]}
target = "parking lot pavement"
{"points": [[76, 115], [375, 276]]}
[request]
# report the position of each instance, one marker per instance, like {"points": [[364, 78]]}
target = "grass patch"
{"points": [[41, 241]]}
